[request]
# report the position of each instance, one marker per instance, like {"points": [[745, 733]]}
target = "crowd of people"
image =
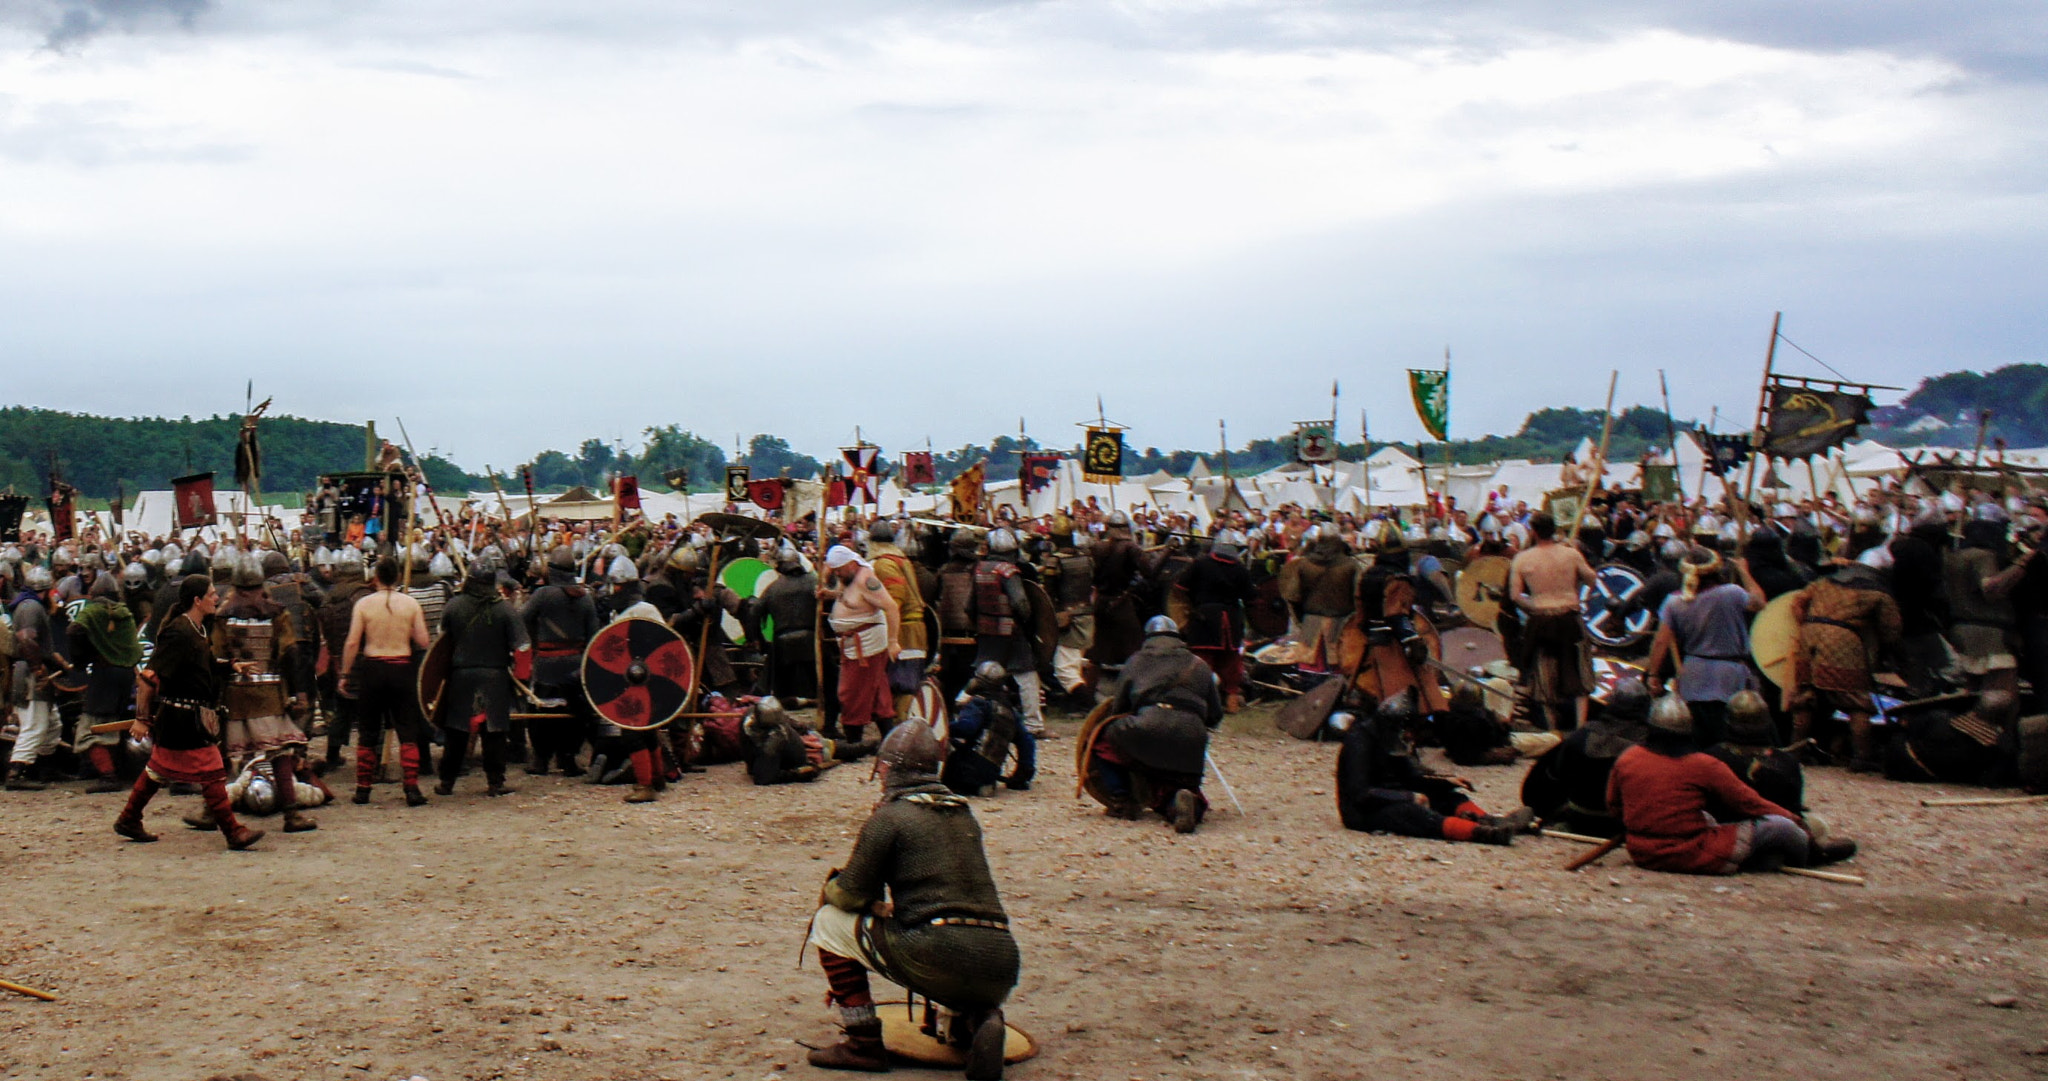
{"points": [[244, 668]]}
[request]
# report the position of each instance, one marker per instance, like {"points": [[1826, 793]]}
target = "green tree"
{"points": [[768, 455]]}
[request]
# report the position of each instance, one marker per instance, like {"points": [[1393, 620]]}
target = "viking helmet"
{"points": [[1749, 720], [988, 676], [766, 715], [1001, 542], [787, 560], [441, 566], [1158, 625], [38, 578], [1671, 714], [882, 532], [260, 795], [909, 748], [1629, 700], [134, 576], [683, 558], [562, 558], [248, 573], [275, 564], [1119, 520], [105, 586], [622, 571], [963, 543]]}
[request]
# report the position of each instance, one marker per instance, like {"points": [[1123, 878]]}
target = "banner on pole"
{"points": [[1315, 443], [1805, 420], [1102, 460], [1039, 471], [192, 501], [736, 490], [918, 468], [1431, 390]]}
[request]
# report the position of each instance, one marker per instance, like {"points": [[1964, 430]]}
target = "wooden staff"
{"points": [[440, 519], [1596, 855], [1803, 872], [1594, 477], [818, 617], [1983, 801], [1763, 403], [31, 992]]}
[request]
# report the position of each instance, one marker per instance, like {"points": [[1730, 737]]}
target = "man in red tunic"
{"points": [[1686, 812]]}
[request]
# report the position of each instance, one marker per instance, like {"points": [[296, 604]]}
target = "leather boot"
{"points": [[14, 779], [414, 797], [1832, 850], [861, 1051], [362, 795], [1187, 811], [296, 821], [1486, 833], [1520, 820], [499, 788], [242, 837], [641, 794], [131, 828], [985, 1047], [202, 820]]}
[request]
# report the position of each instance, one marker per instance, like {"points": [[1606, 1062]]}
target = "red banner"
{"points": [[193, 501], [918, 468], [1039, 471], [766, 494], [627, 490], [63, 512]]}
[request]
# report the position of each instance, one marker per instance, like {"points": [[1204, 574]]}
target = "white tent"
{"points": [[154, 512]]}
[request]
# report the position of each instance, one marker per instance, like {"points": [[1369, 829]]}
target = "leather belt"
{"points": [[967, 921]]}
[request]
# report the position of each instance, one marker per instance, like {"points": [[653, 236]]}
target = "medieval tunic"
{"points": [[1172, 701], [104, 643], [1321, 587], [1687, 814], [948, 937], [1982, 627], [184, 730], [1118, 629], [1844, 620], [251, 627], [486, 632]]}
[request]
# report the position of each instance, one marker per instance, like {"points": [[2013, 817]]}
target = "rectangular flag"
{"points": [[1102, 457], [736, 486], [1804, 421], [627, 491], [918, 468], [1432, 393], [1724, 453], [860, 480], [967, 492], [192, 501], [63, 511], [12, 507], [1314, 444]]}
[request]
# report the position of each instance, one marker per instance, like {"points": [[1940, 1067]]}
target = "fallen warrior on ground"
{"points": [[1382, 786]]}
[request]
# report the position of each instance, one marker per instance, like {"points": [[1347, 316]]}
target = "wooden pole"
{"points": [[1600, 470], [1671, 433], [1983, 801], [1763, 404], [8, 985]]}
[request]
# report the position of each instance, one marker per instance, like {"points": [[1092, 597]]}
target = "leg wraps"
{"points": [[848, 981], [216, 796], [368, 757], [139, 797]]}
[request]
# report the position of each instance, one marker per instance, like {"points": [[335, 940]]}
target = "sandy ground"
{"points": [[562, 934]]}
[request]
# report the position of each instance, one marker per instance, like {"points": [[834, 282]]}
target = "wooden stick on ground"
{"points": [[1825, 876], [1595, 855], [1983, 801], [29, 991]]}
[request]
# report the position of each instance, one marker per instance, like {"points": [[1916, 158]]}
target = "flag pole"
{"points": [[1763, 402], [1671, 432], [1600, 470]]}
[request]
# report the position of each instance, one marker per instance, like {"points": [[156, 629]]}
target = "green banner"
{"points": [[1432, 393]]}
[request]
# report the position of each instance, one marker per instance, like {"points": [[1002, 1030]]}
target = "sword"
{"points": [[1210, 760]]}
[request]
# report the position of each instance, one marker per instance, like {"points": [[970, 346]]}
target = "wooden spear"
{"points": [[1600, 471]]}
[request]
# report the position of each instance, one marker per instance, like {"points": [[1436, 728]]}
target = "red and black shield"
{"points": [[637, 673]]}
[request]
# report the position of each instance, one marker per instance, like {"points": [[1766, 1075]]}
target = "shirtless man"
{"points": [[1556, 661], [383, 633], [868, 622]]}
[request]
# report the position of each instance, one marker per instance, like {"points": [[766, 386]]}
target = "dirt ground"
{"points": [[562, 934]]}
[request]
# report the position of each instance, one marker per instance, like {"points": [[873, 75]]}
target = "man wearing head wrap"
{"points": [[866, 621], [1705, 627], [1555, 659], [1687, 813], [105, 643], [175, 710], [36, 659], [1568, 783], [1845, 621], [264, 696], [1218, 587], [915, 903]]}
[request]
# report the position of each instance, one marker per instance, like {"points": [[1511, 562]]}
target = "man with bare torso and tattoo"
{"points": [[1556, 660], [385, 630]]}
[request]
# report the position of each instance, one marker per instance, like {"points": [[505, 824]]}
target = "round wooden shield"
{"points": [[1772, 636], [929, 705], [739, 525], [433, 675], [1480, 587], [637, 673], [1045, 623], [1466, 648], [903, 1036], [1603, 602], [1084, 752]]}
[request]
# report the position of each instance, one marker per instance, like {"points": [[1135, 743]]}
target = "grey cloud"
{"points": [[67, 24], [97, 134]]}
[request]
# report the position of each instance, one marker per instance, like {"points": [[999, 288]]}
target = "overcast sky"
{"points": [[520, 223]]}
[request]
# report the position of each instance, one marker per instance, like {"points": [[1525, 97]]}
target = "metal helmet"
{"points": [[1001, 541], [1227, 543], [1749, 720], [1400, 710], [1118, 520], [622, 570], [1629, 700], [787, 559], [1671, 714], [104, 585], [323, 556], [1638, 541], [1161, 625], [963, 543], [683, 558], [260, 795], [275, 564], [562, 558], [38, 578], [766, 716], [910, 748], [441, 566], [134, 576], [882, 532], [988, 676], [1342, 720], [151, 557], [247, 574], [348, 563], [62, 558]]}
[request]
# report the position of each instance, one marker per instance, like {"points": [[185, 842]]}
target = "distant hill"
{"points": [[2016, 395]]}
